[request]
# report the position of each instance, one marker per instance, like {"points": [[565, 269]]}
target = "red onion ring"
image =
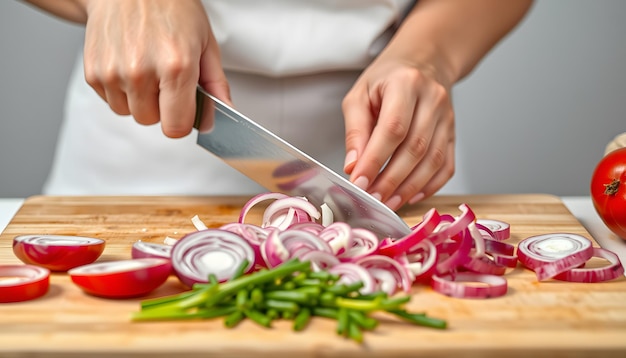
{"points": [[212, 251], [57, 252], [253, 234], [364, 243], [338, 235], [386, 262], [143, 249], [551, 254], [486, 265], [286, 211], [499, 229], [422, 260], [470, 285], [23, 282], [350, 273], [418, 233], [320, 260], [256, 200], [592, 275], [281, 246]]}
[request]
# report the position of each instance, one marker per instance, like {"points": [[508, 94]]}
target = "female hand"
{"points": [[146, 58], [399, 131]]}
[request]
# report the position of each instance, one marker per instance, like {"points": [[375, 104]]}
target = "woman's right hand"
{"points": [[146, 57]]}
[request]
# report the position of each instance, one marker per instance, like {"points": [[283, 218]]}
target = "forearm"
{"points": [[71, 10], [454, 35]]}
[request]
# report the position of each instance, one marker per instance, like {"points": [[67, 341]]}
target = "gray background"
{"points": [[534, 117]]}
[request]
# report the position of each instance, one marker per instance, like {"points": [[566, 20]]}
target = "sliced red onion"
{"points": [[501, 230], [198, 223], [281, 246], [385, 280], [418, 233], [284, 212], [364, 243], [502, 253], [422, 260], [256, 200], [212, 251], [142, 249], [393, 266], [551, 254], [592, 275], [328, 217], [479, 241], [338, 235], [470, 285], [485, 264], [255, 235], [460, 256], [310, 226], [450, 226], [23, 282], [320, 260], [351, 273], [57, 252]]}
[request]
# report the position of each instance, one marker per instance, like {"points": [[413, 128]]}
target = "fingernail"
{"points": [[394, 202], [377, 196], [362, 182], [350, 159], [416, 198]]}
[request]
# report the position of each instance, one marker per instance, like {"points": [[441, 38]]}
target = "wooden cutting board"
{"points": [[546, 319]]}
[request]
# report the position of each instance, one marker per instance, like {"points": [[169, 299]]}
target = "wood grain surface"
{"points": [[534, 319]]}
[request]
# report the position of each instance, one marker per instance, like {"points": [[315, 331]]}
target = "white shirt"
{"points": [[289, 65]]}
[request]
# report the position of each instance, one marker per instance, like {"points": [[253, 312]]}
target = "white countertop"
{"points": [[580, 207]]}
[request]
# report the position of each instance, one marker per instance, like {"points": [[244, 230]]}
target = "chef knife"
{"points": [[279, 166]]}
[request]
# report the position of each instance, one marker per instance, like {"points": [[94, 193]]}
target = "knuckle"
{"points": [[417, 147], [437, 158], [176, 65], [396, 127]]}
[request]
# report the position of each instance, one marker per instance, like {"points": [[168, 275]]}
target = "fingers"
{"points": [[148, 65], [359, 124], [430, 174], [177, 103], [404, 150], [422, 154]]}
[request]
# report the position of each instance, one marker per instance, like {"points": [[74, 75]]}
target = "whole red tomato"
{"points": [[608, 191]]}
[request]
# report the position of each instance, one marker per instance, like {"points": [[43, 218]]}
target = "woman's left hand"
{"points": [[400, 134]]}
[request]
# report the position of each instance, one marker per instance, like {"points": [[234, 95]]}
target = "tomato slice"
{"points": [[57, 252], [122, 279], [23, 282]]}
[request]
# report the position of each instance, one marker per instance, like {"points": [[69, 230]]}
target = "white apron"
{"points": [[289, 63]]}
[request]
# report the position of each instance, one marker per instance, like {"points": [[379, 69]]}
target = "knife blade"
{"points": [[279, 166]]}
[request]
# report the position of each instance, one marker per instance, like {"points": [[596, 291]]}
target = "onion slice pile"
{"points": [[57, 252], [457, 255], [291, 227], [23, 282]]}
